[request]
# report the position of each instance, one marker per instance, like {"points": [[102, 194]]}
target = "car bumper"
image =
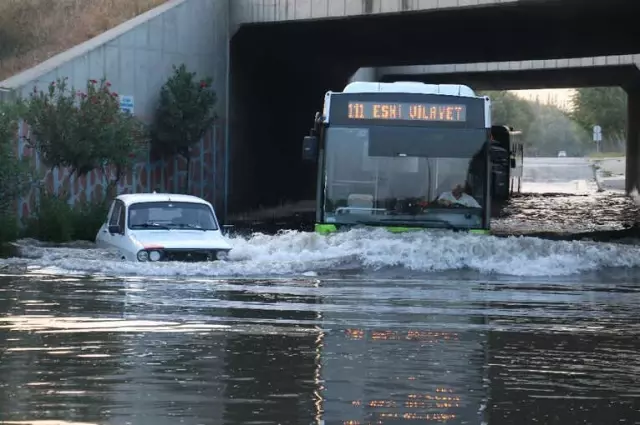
{"points": [[182, 255]]}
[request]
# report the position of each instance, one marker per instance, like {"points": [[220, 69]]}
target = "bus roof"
{"points": [[409, 87]]}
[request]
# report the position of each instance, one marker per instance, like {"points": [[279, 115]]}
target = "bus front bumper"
{"points": [[325, 229]]}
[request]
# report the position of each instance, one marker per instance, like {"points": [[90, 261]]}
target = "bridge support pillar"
{"points": [[632, 172]]}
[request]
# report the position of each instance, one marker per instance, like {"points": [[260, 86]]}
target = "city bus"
{"points": [[403, 156], [507, 156]]}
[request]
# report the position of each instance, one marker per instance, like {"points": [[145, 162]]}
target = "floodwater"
{"points": [[364, 327]]}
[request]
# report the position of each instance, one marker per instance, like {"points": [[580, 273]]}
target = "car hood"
{"points": [[181, 239]]}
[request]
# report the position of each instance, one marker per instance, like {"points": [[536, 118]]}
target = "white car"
{"points": [[562, 154], [163, 227]]}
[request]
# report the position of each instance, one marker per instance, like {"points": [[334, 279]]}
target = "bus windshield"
{"points": [[420, 177]]}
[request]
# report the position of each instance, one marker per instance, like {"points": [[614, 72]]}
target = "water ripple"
{"points": [[349, 350]]}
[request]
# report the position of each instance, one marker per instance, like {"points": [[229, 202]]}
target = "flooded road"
{"points": [[343, 349], [364, 327]]}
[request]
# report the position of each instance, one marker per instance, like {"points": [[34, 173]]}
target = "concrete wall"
{"points": [[251, 11], [137, 58]]}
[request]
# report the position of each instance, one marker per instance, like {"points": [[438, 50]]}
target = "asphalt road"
{"points": [[572, 174]]}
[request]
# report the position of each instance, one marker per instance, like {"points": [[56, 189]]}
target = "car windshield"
{"points": [[438, 181], [171, 215]]}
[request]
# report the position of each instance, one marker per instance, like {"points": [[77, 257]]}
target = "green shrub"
{"points": [[89, 216], [54, 220], [185, 112], [9, 227], [83, 131], [16, 174]]}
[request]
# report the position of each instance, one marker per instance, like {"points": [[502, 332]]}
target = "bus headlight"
{"points": [[143, 255], [154, 255]]}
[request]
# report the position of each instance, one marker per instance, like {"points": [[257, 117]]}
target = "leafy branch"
{"points": [[184, 114], [83, 130]]}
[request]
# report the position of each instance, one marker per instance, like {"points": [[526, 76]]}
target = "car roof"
{"points": [[134, 198]]}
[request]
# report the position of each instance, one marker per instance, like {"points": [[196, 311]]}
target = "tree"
{"points": [[552, 130], [184, 114], [545, 128], [16, 175], [603, 106], [83, 131], [509, 109]]}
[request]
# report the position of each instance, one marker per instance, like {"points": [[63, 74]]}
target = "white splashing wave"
{"points": [[296, 253]]}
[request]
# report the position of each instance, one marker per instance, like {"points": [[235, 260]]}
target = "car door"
{"points": [[114, 240], [103, 239], [118, 240]]}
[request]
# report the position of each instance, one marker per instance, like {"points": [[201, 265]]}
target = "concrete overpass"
{"points": [[270, 11], [273, 60], [273, 11], [602, 71]]}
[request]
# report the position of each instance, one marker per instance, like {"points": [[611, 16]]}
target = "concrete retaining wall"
{"points": [[137, 58]]}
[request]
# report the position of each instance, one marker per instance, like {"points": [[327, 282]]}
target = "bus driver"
{"points": [[458, 197]]}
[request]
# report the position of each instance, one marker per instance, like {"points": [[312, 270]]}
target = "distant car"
{"points": [[163, 227], [562, 154]]}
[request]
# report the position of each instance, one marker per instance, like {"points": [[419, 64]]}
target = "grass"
{"points": [[32, 31]]}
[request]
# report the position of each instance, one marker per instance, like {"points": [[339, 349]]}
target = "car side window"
{"points": [[108, 216], [121, 218], [115, 213]]}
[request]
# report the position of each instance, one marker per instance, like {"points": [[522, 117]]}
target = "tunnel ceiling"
{"points": [[627, 76], [510, 32]]}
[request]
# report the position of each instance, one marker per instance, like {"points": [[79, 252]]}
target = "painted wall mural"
{"points": [[161, 175]]}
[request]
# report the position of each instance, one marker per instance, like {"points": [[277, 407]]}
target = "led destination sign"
{"points": [[406, 111]]}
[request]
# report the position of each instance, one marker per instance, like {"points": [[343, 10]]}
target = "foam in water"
{"points": [[298, 253]]}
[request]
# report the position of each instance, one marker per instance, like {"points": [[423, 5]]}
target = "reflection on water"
{"points": [[343, 350]]}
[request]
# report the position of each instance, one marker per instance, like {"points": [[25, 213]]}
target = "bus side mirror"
{"points": [[310, 148]]}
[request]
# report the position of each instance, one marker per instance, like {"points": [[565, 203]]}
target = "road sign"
{"points": [[597, 133], [127, 104]]}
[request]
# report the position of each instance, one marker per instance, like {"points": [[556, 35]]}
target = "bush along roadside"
{"points": [[80, 131], [85, 130], [56, 220], [16, 175]]}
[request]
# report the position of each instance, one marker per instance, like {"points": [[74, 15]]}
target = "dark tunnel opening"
{"points": [[275, 94]]}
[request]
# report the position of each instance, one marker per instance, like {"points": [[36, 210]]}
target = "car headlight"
{"points": [[222, 255], [154, 255], [143, 256]]}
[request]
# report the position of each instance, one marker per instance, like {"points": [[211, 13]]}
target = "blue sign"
{"points": [[126, 104]]}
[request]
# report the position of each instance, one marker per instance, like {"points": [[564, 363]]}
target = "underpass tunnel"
{"points": [[281, 71], [275, 93]]}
